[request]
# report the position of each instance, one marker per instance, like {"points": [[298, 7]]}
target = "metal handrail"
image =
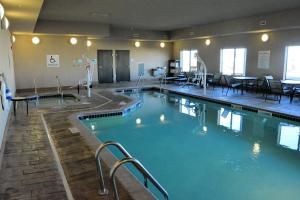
{"points": [[103, 190], [163, 78], [141, 169]]}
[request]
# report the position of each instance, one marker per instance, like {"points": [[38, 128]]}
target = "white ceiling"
{"points": [[164, 15]]}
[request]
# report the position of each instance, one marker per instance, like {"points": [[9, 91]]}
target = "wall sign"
{"points": [[52, 60], [263, 59]]}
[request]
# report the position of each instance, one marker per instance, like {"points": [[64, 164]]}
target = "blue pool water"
{"points": [[202, 150]]}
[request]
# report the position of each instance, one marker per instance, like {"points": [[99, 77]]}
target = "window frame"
{"points": [[286, 57], [234, 60], [190, 60]]}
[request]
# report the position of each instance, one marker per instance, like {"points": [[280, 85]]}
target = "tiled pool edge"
{"points": [[134, 188], [231, 104]]}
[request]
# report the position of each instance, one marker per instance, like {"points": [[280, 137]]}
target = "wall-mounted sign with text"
{"points": [[263, 59], [52, 60]]}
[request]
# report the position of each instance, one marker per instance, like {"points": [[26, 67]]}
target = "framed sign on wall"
{"points": [[52, 60], [263, 59]]}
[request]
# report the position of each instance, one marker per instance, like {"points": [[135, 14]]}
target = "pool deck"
{"points": [[29, 168]]}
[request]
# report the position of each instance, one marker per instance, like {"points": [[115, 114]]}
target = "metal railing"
{"points": [[59, 87], [162, 80], [128, 159], [103, 190], [141, 169]]}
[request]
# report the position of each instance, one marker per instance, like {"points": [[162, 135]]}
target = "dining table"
{"points": [[244, 80]]}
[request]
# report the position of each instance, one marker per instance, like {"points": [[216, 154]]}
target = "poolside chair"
{"points": [[215, 80], [295, 92], [193, 79], [276, 88], [230, 83]]}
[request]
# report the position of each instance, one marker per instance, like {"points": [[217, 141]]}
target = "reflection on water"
{"points": [[256, 149], [230, 120], [187, 107], [289, 136]]}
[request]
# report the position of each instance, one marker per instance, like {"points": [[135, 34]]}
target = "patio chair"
{"points": [[276, 89], [215, 80], [295, 92], [230, 83], [193, 79]]}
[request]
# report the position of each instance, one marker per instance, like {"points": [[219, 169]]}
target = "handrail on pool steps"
{"points": [[128, 159]]}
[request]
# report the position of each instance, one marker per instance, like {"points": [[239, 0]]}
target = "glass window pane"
{"points": [[193, 58], [227, 61], [293, 63], [185, 60], [240, 60]]}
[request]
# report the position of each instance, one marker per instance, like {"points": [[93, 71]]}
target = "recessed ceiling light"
{"points": [[162, 45], [265, 37], [35, 40], [1, 12], [73, 40], [88, 43], [207, 42], [6, 23], [137, 44]]}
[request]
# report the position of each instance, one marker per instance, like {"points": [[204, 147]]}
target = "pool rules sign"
{"points": [[52, 60]]}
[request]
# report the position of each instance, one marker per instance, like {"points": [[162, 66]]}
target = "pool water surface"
{"points": [[202, 150]]}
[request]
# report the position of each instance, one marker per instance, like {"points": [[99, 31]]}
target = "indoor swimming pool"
{"points": [[203, 150], [53, 101]]}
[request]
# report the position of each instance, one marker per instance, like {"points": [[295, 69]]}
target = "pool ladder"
{"points": [[127, 159]]}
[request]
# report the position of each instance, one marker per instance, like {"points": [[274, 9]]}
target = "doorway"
{"points": [[105, 66], [122, 65]]}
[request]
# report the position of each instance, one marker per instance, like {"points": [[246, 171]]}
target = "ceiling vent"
{"points": [[263, 22]]}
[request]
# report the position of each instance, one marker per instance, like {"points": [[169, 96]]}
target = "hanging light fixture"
{"points": [[162, 45], [73, 40], [137, 44], [35, 40]]}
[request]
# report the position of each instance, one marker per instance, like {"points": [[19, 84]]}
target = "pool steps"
{"points": [[127, 159]]}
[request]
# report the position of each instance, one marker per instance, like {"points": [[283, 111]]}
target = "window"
{"points": [[233, 61], [292, 65], [188, 60]]}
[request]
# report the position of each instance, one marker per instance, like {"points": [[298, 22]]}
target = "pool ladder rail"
{"points": [[127, 159]]}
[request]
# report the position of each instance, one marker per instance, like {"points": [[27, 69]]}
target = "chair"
{"points": [[231, 84], [193, 79], [295, 92], [215, 80], [276, 89]]}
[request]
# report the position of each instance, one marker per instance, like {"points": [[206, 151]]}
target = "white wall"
{"points": [[6, 67], [30, 60]]}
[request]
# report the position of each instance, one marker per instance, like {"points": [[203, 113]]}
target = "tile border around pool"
{"points": [[226, 103], [134, 188]]}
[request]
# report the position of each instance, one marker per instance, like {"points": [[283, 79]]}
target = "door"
{"points": [[105, 66], [122, 65]]}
